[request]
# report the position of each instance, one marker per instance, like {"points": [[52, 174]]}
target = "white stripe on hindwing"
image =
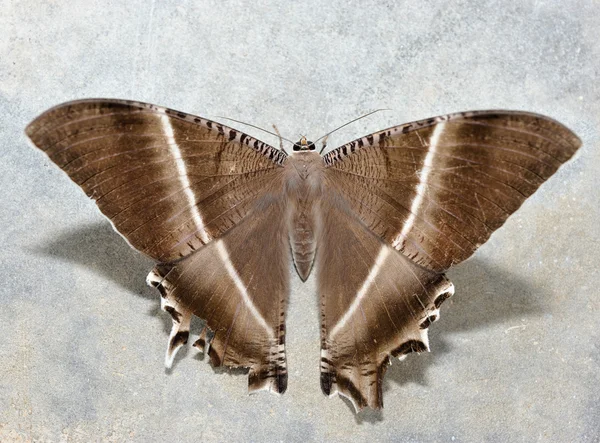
{"points": [[240, 285], [383, 253]]}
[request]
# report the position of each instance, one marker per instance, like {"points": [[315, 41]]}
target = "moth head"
{"points": [[304, 145]]}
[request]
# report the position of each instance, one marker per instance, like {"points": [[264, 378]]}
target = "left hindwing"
{"points": [[436, 189]]}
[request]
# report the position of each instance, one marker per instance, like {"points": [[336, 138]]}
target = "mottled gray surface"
{"points": [[516, 355]]}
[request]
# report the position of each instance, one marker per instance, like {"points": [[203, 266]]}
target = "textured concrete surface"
{"points": [[516, 355]]}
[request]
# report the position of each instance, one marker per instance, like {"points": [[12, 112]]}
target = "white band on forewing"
{"points": [[183, 177]]}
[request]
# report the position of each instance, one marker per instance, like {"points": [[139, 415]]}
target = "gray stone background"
{"points": [[516, 355]]}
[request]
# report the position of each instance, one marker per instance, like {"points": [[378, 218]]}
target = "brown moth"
{"points": [[382, 218]]}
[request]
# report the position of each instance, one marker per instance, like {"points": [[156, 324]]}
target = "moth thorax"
{"points": [[304, 145]]}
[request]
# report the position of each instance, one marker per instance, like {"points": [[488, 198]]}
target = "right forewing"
{"points": [[436, 189]]}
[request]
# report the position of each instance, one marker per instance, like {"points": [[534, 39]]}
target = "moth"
{"points": [[380, 218]]}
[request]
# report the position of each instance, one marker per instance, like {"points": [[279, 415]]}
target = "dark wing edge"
{"points": [[277, 156], [376, 138]]}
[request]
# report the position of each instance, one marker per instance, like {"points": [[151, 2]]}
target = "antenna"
{"points": [[346, 124]]}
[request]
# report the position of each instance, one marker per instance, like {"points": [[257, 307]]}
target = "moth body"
{"points": [[381, 217], [304, 188]]}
